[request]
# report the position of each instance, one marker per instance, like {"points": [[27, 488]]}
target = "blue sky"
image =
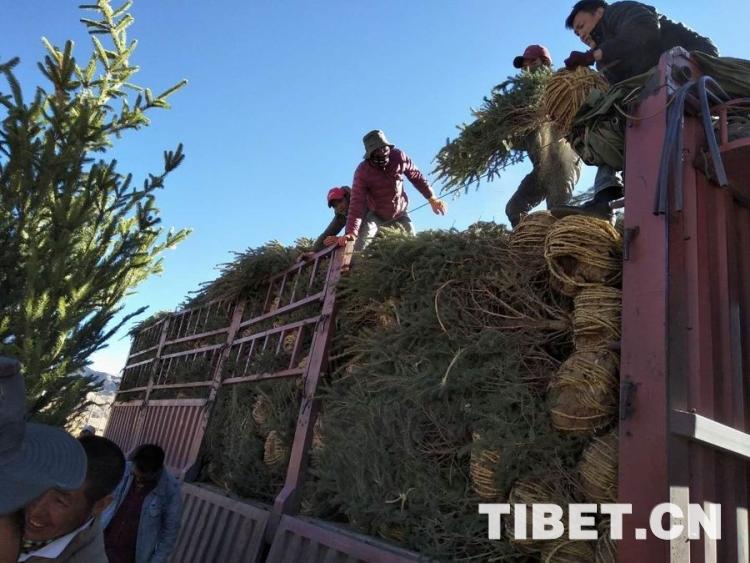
{"points": [[281, 92]]}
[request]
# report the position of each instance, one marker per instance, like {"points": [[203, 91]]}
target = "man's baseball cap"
{"points": [[33, 457], [337, 193], [533, 52]]}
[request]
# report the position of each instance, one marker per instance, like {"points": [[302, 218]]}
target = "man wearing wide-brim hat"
{"points": [[378, 197], [33, 458]]}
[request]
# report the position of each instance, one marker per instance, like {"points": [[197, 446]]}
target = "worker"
{"points": [[338, 199], [625, 39], [378, 197], [556, 166]]}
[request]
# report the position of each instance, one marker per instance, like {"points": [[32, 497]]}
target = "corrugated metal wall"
{"points": [[217, 529], [303, 541], [121, 424], [176, 426]]}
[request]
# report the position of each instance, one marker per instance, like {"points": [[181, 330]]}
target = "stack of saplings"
{"points": [[466, 367], [450, 358]]}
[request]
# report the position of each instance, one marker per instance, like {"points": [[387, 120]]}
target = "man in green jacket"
{"points": [[556, 166]]}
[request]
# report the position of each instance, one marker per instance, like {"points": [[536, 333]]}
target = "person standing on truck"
{"points": [[556, 166], [338, 199], [378, 197], [144, 521], [625, 39]]}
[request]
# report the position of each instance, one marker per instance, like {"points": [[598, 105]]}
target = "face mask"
{"points": [[381, 161]]}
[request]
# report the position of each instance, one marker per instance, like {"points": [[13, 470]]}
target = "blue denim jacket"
{"points": [[160, 517]]}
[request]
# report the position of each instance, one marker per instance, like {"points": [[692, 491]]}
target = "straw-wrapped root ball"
{"points": [[583, 394], [566, 91], [262, 409], [289, 341], [568, 551], [606, 550], [529, 492], [584, 252], [598, 469], [596, 317], [483, 470], [275, 452], [316, 446], [527, 238], [392, 532]]}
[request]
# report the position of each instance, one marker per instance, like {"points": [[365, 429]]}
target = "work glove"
{"points": [[579, 58], [438, 206], [330, 240]]}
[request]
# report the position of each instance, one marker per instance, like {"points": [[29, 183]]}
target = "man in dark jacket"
{"points": [[625, 39], [378, 197], [556, 166], [143, 522]]}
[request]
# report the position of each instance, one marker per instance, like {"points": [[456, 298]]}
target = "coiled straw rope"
{"points": [[527, 239], [598, 469], [584, 251], [606, 550], [274, 450], [262, 409], [584, 391], [566, 91], [528, 492], [567, 551], [483, 470], [596, 317]]}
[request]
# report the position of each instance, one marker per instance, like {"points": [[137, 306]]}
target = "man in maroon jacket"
{"points": [[378, 198]]}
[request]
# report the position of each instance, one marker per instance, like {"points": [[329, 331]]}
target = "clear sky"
{"points": [[281, 92]]}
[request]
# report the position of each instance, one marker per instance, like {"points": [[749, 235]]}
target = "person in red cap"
{"points": [[556, 166], [533, 57], [338, 200]]}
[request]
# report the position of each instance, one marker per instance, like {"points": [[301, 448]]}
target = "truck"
{"points": [[684, 413]]}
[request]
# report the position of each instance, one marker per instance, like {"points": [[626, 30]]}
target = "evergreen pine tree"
{"points": [[76, 235]]}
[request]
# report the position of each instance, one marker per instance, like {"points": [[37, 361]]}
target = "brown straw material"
{"points": [[274, 450], [392, 532], [596, 317], [528, 492], [262, 409], [527, 239], [316, 445], [483, 470], [568, 551], [584, 251], [566, 91], [289, 341], [584, 391], [598, 469], [606, 550]]}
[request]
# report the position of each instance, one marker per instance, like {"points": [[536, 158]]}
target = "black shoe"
{"points": [[598, 208]]}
